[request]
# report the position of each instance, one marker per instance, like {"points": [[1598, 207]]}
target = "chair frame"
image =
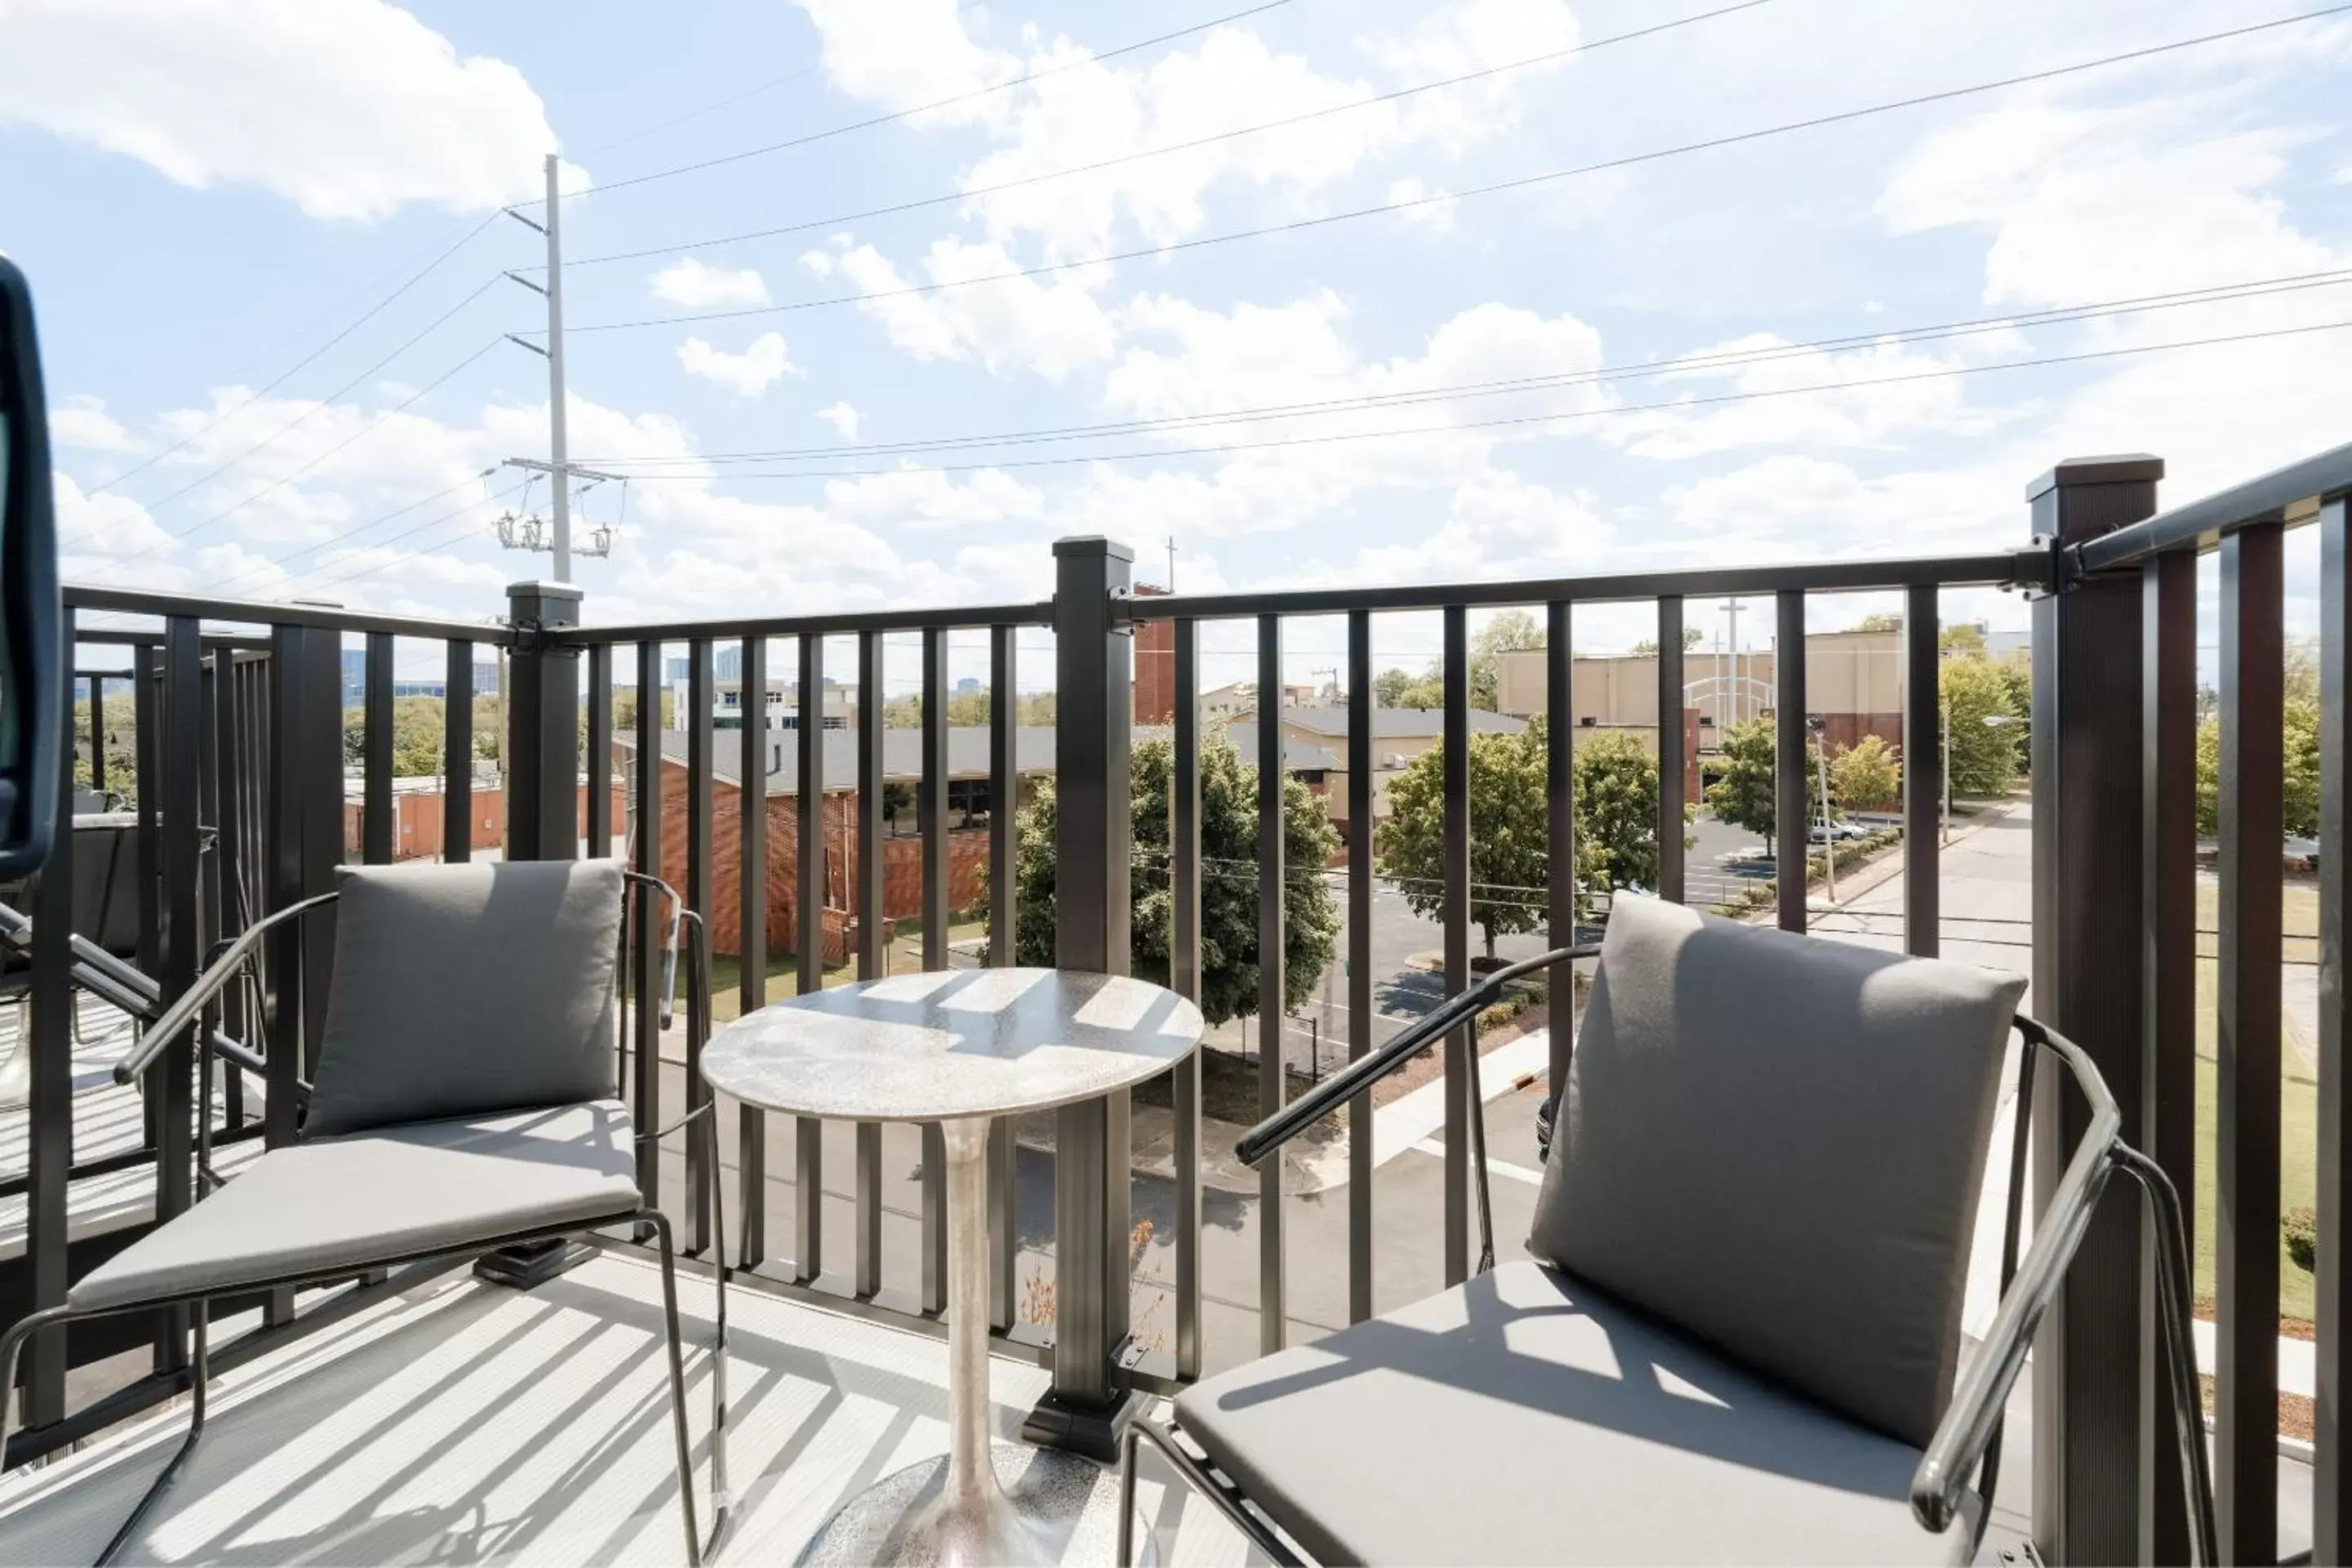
{"points": [[1964, 1455], [700, 1545]]}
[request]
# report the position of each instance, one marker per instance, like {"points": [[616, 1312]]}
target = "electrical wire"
{"points": [[1046, 176], [320, 403], [373, 566], [347, 535], [1722, 360], [1025, 78], [295, 473], [1671, 405], [1521, 183], [677, 120], [306, 359]]}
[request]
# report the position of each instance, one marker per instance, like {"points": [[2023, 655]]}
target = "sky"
{"points": [[1271, 275]]}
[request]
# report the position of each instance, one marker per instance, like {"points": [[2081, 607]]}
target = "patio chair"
{"points": [[466, 1100], [1740, 1343]]}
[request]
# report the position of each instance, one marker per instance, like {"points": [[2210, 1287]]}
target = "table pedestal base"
{"points": [[908, 1518]]}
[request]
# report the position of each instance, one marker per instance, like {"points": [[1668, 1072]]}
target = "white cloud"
{"points": [[842, 417], [1051, 326], [1433, 207], [747, 374], [348, 108], [95, 530], [900, 57], [697, 285], [83, 423]]}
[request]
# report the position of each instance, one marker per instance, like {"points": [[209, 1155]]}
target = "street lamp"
{"points": [[1820, 727]]}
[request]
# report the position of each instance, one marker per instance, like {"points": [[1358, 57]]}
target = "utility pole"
{"points": [[1731, 610], [1171, 563], [558, 466]]}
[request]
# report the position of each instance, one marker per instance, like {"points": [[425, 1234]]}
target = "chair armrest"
{"points": [[1961, 1438], [1261, 1141], [677, 912], [183, 1012]]}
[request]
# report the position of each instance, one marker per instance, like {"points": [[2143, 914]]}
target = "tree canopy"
{"points": [[1616, 783], [1743, 793], [1510, 833], [1229, 861], [1866, 775], [1983, 756]]}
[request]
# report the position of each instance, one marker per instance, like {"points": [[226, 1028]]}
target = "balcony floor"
{"points": [[467, 1423]]}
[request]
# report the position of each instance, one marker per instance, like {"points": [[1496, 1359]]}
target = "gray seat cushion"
{"points": [[468, 988], [1525, 1418], [1775, 1143], [331, 1205]]}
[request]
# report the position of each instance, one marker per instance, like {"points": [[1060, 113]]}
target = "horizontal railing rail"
{"points": [[2286, 495], [829, 624]]}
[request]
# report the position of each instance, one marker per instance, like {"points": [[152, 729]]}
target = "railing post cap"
{"points": [[2121, 468], [1093, 544], [543, 605]]}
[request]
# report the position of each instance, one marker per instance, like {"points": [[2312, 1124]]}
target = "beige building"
{"points": [[1315, 746], [1853, 679]]}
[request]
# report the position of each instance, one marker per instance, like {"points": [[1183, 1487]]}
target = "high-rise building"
{"points": [[354, 676]]}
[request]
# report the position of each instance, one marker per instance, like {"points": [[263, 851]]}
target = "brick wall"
{"points": [[902, 867]]}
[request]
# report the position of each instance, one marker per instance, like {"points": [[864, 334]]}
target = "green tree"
{"points": [[418, 727], [1963, 638], [1744, 791], [1983, 756], [1229, 856], [1866, 775], [1510, 833], [1508, 631], [1879, 621], [1616, 781], [2299, 788], [2016, 672]]}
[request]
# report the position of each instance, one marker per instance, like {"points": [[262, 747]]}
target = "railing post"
{"points": [[2087, 983], [1089, 1404], [543, 726]]}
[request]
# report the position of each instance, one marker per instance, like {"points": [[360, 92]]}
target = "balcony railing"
{"points": [[239, 779]]}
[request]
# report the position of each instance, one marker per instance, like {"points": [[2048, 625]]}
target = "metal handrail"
{"points": [[183, 1012], [1961, 1438], [2266, 498], [119, 985], [1261, 1141]]}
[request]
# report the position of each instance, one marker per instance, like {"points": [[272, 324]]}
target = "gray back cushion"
{"points": [[1775, 1142], [469, 988]]}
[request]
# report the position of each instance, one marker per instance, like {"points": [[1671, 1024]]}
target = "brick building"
{"points": [[969, 809]]}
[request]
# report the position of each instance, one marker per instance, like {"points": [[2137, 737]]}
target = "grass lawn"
{"points": [[2298, 1101], [905, 957]]}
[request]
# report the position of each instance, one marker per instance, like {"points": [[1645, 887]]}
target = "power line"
{"points": [[383, 565], [322, 403], [291, 371], [1722, 360], [1670, 405], [294, 474], [676, 119], [1038, 179], [1521, 183], [347, 535], [897, 114]]}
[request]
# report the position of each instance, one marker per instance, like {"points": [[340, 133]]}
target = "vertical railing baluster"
{"points": [[595, 752], [2246, 1152], [2168, 983], [180, 934], [458, 747], [223, 905], [650, 915], [1363, 879], [1457, 923], [282, 969], [873, 942], [319, 773], [2331, 1537], [751, 938], [48, 1111], [146, 680], [98, 734], [1185, 978], [808, 941], [1674, 761], [931, 812], [1004, 803], [376, 755], [701, 786], [1560, 803], [1791, 800], [1272, 889], [1922, 773]]}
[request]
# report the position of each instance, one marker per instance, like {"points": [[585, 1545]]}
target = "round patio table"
{"points": [[960, 1048]]}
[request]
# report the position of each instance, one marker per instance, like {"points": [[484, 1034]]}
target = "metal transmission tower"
{"points": [[527, 532]]}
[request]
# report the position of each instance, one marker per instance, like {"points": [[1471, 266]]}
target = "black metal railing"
{"points": [[2113, 771]]}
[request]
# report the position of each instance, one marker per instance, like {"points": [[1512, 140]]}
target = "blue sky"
{"points": [[206, 194]]}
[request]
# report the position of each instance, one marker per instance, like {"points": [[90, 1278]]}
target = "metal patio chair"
{"points": [[1741, 1343], [467, 1101]]}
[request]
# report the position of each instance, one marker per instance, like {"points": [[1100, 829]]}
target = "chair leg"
{"points": [[198, 1372], [694, 1549], [1126, 1442], [2180, 1354]]}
